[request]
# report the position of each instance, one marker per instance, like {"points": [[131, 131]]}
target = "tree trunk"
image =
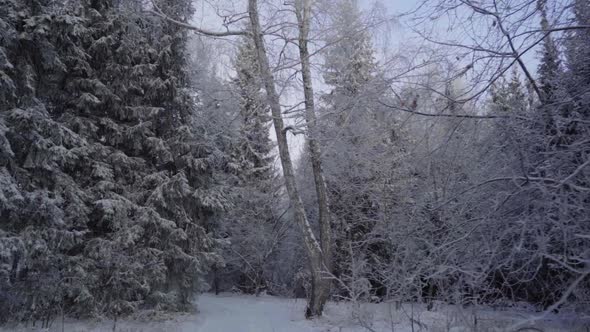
{"points": [[315, 308], [216, 280], [311, 244]]}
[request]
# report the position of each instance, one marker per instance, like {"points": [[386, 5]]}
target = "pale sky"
{"points": [[206, 16], [400, 37]]}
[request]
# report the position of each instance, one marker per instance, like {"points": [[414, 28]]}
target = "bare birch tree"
{"points": [[318, 262], [320, 287]]}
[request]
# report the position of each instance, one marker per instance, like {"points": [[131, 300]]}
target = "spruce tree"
{"points": [[360, 137], [254, 141], [349, 60], [549, 71], [251, 221], [577, 76], [108, 183]]}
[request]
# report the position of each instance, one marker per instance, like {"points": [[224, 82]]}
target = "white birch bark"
{"points": [[321, 286], [318, 266], [311, 243]]}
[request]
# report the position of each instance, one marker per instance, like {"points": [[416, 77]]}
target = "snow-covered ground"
{"points": [[244, 313]]}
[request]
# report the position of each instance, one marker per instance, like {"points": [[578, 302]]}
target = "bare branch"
{"points": [[158, 12]]}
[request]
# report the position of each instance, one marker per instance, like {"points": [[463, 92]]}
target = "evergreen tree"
{"points": [[349, 60], [108, 183], [509, 96], [577, 76], [251, 224], [254, 147], [549, 71], [361, 137], [549, 65]]}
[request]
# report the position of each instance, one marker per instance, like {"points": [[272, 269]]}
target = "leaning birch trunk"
{"points": [[311, 244], [321, 293]]}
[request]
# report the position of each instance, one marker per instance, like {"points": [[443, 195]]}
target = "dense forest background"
{"points": [[134, 173]]}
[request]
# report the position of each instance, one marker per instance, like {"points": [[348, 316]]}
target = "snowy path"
{"points": [[245, 313], [252, 314]]}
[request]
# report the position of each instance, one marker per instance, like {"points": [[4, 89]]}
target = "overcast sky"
{"points": [[399, 37], [206, 17]]}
